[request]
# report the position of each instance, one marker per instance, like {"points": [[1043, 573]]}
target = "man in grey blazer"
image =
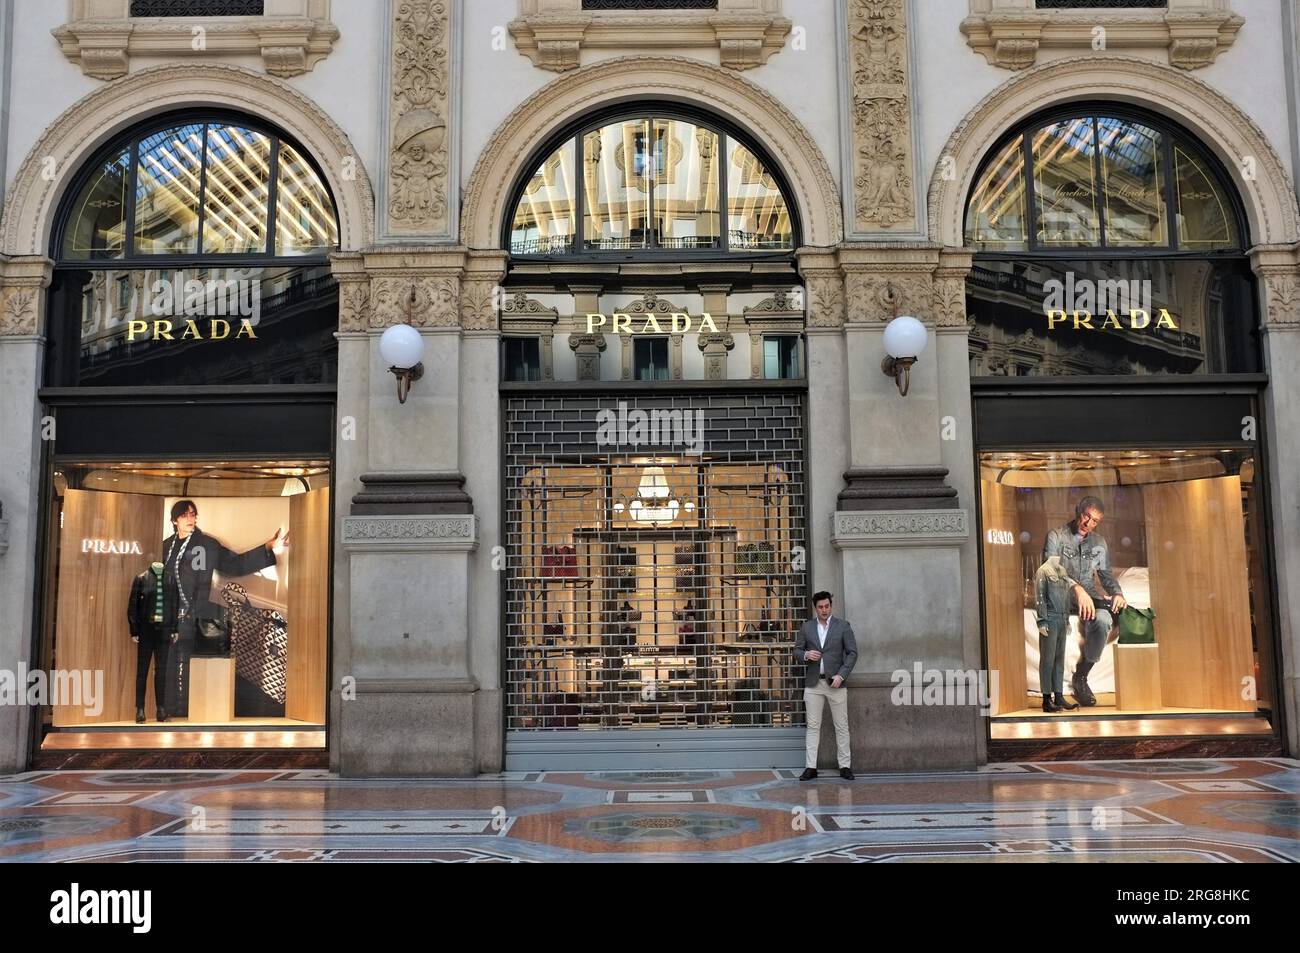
{"points": [[826, 648]]}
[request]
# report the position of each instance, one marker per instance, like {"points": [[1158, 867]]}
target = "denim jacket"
{"points": [[1085, 563], [1052, 585]]}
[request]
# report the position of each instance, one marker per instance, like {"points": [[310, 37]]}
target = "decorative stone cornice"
{"points": [[23, 281], [553, 33], [1278, 268], [1009, 33], [102, 36], [898, 528], [410, 534]]}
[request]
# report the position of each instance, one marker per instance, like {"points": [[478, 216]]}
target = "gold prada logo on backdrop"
{"points": [[678, 323], [218, 329], [1137, 319]]}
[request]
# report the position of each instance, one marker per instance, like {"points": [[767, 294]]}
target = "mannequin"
{"points": [[151, 616]]}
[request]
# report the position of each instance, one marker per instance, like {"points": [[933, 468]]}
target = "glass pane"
{"points": [[1054, 317], [651, 358], [757, 216], [686, 185], [1063, 183], [235, 191], [97, 226], [523, 359], [167, 192], [615, 160], [219, 325], [771, 357], [305, 222], [1173, 532], [1133, 177], [544, 218], [995, 217], [1205, 217]]}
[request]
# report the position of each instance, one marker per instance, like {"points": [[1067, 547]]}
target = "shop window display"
{"points": [[1125, 581], [200, 590]]}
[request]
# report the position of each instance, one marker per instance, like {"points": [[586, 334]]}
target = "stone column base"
{"points": [[409, 728]]}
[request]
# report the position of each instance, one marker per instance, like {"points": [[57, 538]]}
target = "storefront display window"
{"points": [[199, 590], [1141, 568]]}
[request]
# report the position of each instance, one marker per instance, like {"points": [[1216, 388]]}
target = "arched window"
{"points": [[203, 186], [658, 183], [1107, 242]]}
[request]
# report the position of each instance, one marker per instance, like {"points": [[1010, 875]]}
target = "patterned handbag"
{"points": [[260, 642]]}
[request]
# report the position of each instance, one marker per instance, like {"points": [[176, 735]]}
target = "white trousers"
{"points": [[839, 702]]}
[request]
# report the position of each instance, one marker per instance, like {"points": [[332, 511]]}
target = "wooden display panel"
{"points": [[1196, 546], [305, 677], [212, 691], [1004, 610], [1137, 677], [91, 631]]}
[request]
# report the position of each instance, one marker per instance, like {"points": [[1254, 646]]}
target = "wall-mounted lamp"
{"points": [[905, 339], [401, 348]]}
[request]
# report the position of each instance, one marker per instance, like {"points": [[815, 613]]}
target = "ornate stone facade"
{"points": [[419, 104], [880, 110]]}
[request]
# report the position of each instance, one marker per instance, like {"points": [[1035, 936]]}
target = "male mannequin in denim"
{"points": [[1053, 590], [1086, 559]]}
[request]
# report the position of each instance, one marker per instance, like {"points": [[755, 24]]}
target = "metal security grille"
{"points": [[197, 8], [655, 567]]}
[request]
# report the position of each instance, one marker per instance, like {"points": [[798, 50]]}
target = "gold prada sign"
{"points": [[678, 323], [1137, 319], [218, 329]]}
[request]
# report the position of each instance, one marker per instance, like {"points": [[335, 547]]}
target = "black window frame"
{"points": [[640, 110], [652, 339], [796, 340], [130, 140], [505, 363]]}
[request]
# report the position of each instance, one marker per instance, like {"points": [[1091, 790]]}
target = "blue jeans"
{"points": [[1095, 632], [1051, 654]]}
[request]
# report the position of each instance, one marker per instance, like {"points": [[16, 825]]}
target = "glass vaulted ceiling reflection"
{"points": [[212, 188]]}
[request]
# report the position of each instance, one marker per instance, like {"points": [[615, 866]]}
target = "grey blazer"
{"points": [[840, 652]]}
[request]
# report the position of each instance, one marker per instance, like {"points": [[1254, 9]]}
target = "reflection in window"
{"points": [[686, 193], [235, 190], [544, 218], [1133, 160], [97, 228], [615, 160], [167, 191], [201, 188], [650, 358], [1205, 219], [1063, 183], [304, 214], [781, 356], [651, 183], [996, 214], [757, 215], [1133, 180], [1178, 534], [521, 359]]}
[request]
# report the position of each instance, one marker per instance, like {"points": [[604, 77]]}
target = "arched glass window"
{"points": [[651, 184], [1107, 242], [1100, 182], [198, 188]]}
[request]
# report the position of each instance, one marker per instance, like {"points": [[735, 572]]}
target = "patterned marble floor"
{"points": [[1206, 811]]}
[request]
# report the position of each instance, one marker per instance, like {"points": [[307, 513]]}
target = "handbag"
{"points": [[1137, 626], [559, 561], [260, 642], [755, 559], [212, 632]]}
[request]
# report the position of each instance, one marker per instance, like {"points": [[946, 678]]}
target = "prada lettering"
{"points": [[217, 329], [112, 547], [677, 323], [1137, 319], [1000, 537]]}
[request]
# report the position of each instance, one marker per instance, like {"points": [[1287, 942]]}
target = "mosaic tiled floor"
{"points": [[1208, 811]]}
